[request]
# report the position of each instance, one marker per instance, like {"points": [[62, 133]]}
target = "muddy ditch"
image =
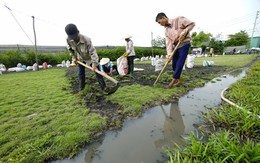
{"points": [[95, 98]]}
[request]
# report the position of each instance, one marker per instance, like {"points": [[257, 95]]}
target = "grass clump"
{"points": [[134, 98], [246, 91], [221, 147]]}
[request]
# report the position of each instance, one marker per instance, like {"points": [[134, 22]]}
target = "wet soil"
{"points": [[95, 98]]}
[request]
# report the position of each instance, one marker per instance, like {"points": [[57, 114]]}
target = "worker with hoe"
{"points": [[175, 31], [81, 49]]}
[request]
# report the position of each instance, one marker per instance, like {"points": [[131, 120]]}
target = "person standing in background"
{"points": [[211, 52], [130, 53]]}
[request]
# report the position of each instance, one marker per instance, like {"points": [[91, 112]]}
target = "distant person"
{"points": [[174, 31], [44, 65], [81, 49], [211, 52], [107, 66], [35, 67], [234, 51], [130, 53]]}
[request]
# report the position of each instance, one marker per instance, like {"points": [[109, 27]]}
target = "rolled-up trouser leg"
{"points": [[81, 76]]}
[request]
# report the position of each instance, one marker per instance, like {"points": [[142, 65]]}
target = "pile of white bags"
{"points": [[67, 63], [190, 61], [153, 61], [159, 65], [2, 67]]}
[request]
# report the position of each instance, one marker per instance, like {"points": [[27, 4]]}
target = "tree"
{"points": [[198, 39], [238, 39], [159, 42]]}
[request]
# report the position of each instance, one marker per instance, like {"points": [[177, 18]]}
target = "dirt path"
{"points": [[94, 98]]}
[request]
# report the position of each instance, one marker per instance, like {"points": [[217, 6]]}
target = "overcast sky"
{"points": [[107, 21]]}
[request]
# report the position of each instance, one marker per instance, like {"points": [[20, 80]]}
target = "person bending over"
{"points": [[107, 66], [81, 48]]}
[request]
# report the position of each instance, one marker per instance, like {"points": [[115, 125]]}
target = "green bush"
{"points": [[115, 53], [29, 58], [12, 57]]}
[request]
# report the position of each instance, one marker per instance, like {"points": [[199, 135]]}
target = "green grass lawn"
{"points": [[227, 60], [40, 119]]}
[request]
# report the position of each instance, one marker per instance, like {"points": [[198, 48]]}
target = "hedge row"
{"points": [[115, 53], [12, 57]]}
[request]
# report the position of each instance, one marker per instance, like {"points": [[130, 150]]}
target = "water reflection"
{"points": [[173, 127], [92, 151], [141, 140], [236, 72]]}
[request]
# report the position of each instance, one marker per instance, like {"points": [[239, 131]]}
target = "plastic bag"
{"points": [[190, 61], [208, 63], [159, 65], [122, 65]]}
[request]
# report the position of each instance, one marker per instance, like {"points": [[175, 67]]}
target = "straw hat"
{"points": [[104, 61], [127, 36]]}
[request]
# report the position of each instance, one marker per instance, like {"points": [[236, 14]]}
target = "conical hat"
{"points": [[104, 61], [127, 36]]}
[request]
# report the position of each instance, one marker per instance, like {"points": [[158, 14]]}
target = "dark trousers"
{"points": [[130, 62], [178, 60], [107, 70], [81, 76]]}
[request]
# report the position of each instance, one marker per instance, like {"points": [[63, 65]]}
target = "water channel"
{"points": [[142, 140]]}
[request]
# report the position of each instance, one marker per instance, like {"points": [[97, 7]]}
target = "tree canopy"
{"points": [[237, 39]]}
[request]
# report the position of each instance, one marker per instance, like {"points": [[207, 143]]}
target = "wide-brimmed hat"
{"points": [[127, 36], [104, 61], [72, 31]]}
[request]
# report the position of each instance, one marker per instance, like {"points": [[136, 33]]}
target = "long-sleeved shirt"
{"points": [[173, 31], [130, 48], [84, 50]]}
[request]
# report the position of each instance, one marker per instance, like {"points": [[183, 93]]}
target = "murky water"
{"points": [[142, 140]]}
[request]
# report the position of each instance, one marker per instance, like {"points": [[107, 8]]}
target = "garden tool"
{"points": [[171, 55], [108, 90]]}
